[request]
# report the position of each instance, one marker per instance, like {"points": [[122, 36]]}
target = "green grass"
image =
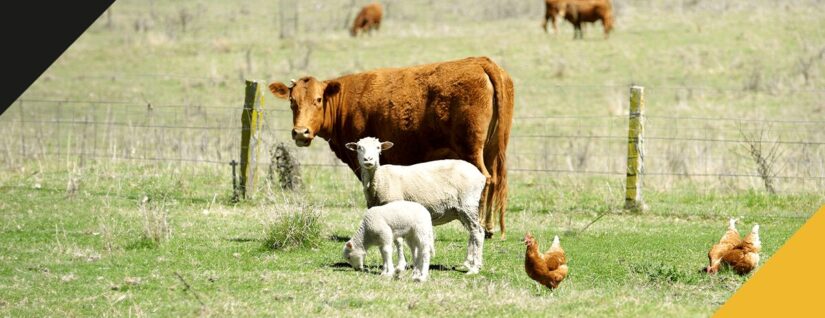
{"points": [[93, 253], [87, 255]]}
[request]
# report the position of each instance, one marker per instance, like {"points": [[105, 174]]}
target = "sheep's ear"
{"points": [[349, 244], [386, 145], [279, 90], [352, 146]]}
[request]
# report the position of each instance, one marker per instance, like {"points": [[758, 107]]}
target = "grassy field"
{"points": [[113, 207], [90, 254]]}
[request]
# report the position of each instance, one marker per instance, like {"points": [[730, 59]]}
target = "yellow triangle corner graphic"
{"points": [[791, 282]]}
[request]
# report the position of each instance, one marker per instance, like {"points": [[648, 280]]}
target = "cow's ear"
{"points": [[352, 146], [386, 145], [332, 88], [279, 90]]}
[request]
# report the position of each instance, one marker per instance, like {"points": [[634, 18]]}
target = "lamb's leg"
{"points": [[402, 261], [422, 262], [386, 254], [416, 255]]}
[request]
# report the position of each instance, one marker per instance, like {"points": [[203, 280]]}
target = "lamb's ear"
{"points": [[349, 244], [279, 89], [332, 88], [352, 146], [386, 145]]}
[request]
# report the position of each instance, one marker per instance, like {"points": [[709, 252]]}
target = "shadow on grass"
{"points": [[243, 240], [339, 238], [376, 269]]}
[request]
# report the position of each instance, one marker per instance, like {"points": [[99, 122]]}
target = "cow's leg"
{"points": [[555, 26], [607, 26], [547, 16], [489, 198]]}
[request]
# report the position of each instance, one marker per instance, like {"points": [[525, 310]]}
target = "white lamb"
{"points": [[449, 189], [385, 224]]}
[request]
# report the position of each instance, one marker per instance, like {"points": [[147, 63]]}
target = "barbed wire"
{"points": [[342, 165], [559, 136], [149, 105], [137, 125], [784, 121], [780, 142]]}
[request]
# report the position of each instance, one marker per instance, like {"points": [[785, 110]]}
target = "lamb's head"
{"points": [[369, 149], [354, 256]]}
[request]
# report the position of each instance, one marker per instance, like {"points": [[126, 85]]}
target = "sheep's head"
{"points": [[369, 149], [355, 257]]}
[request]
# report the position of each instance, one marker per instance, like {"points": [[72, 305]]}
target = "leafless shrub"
{"points": [[753, 82], [287, 166], [73, 183], [184, 17], [677, 160], [764, 154], [298, 62], [580, 153], [806, 65]]}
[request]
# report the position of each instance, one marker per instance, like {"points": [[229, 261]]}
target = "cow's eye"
{"points": [[318, 100]]}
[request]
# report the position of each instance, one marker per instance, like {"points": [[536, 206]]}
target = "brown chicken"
{"points": [[549, 268], [741, 255]]}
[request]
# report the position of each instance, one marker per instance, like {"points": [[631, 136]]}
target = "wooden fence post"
{"points": [[635, 151], [250, 139]]}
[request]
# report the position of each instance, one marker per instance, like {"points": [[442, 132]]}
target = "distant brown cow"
{"points": [[368, 19], [578, 11], [459, 109], [553, 8]]}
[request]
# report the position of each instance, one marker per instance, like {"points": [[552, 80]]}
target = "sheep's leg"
{"points": [[469, 261], [485, 204], [416, 273], [422, 262], [386, 255], [475, 242], [402, 261]]}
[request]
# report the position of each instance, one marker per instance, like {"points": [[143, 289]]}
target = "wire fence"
{"points": [[693, 148]]}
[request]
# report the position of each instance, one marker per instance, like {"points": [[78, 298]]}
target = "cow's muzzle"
{"points": [[302, 136]]}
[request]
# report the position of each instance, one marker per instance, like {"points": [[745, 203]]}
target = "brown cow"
{"points": [[459, 109], [553, 10], [368, 19], [578, 11]]}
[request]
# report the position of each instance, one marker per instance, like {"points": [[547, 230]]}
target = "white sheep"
{"points": [[449, 189], [395, 221]]}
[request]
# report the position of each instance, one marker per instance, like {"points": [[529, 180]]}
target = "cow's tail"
{"points": [[498, 135]]}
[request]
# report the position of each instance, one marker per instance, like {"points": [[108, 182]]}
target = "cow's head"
{"points": [[307, 98]]}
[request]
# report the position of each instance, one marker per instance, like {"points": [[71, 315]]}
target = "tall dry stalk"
{"points": [[764, 154]]}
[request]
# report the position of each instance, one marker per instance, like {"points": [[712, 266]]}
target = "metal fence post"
{"points": [[635, 151], [250, 138]]}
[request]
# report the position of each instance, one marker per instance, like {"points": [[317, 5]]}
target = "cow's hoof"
{"points": [[488, 234]]}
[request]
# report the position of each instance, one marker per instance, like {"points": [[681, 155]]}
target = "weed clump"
{"points": [[665, 273], [299, 228], [155, 224]]}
